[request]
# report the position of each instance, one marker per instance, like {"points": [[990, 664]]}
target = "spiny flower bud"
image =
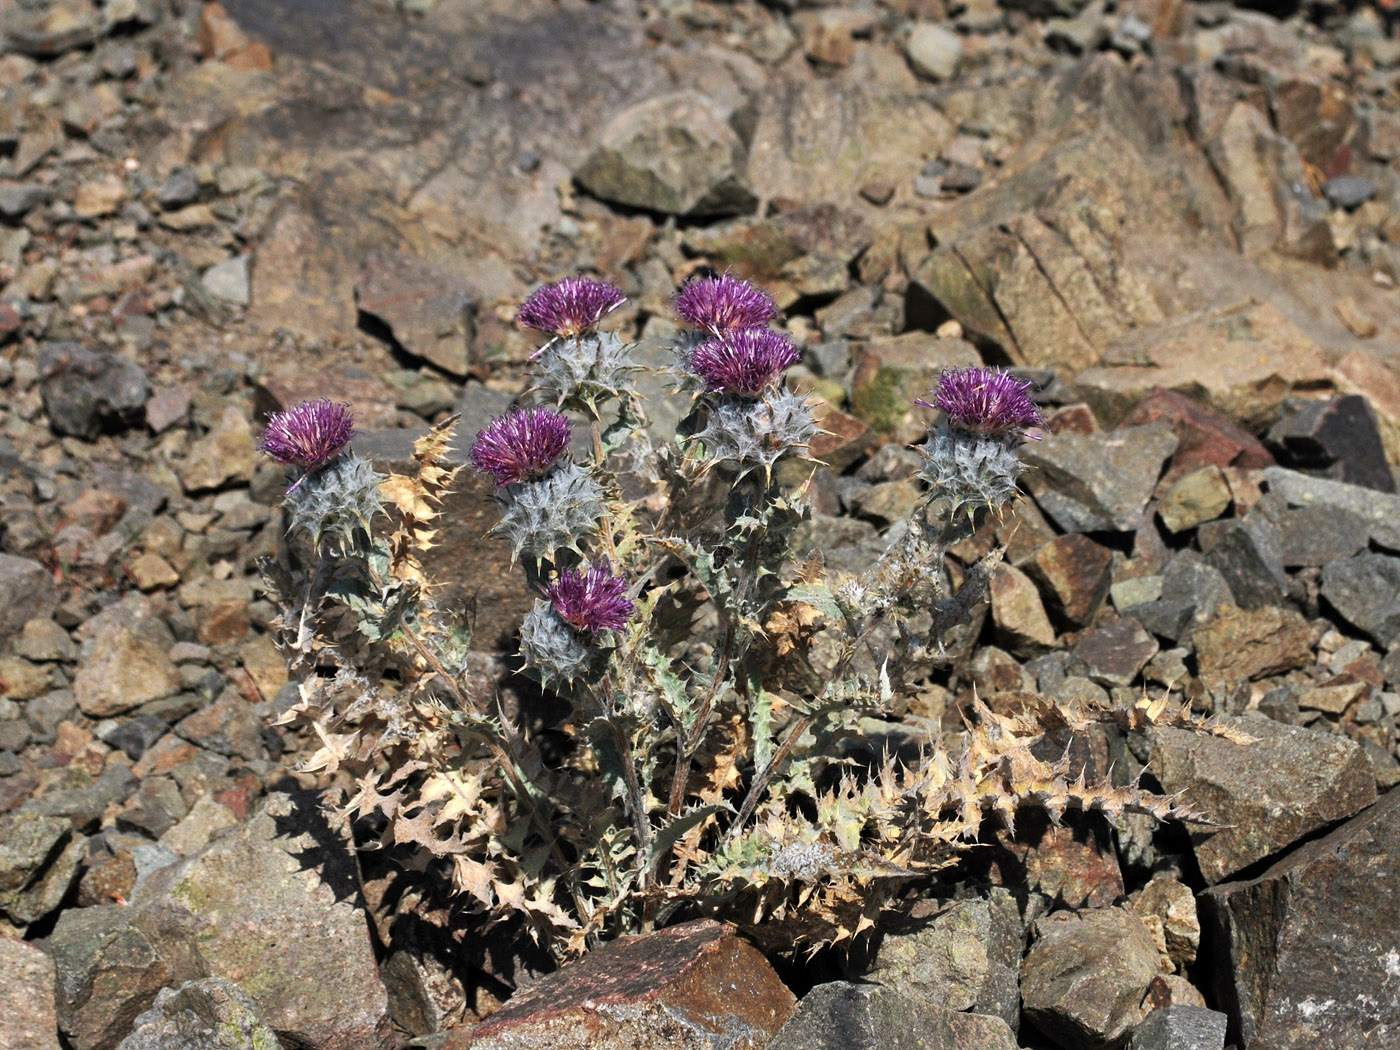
{"points": [[337, 502], [743, 362], [757, 432], [551, 648], [724, 304], [971, 470], [309, 434], [986, 401], [520, 445], [586, 369], [591, 599], [551, 514], [570, 307]]}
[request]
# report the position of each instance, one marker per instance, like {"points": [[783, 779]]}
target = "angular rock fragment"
{"points": [[1379, 510], [1338, 437], [676, 154], [1365, 590], [964, 956], [1098, 482], [844, 1016], [1265, 795], [1240, 644], [1206, 438], [1249, 554], [1077, 573], [1180, 1028], [26, 974], [212, 1014], [1314, 942], [429, 311], [1083, 980], [85, 390], [686, 987]]}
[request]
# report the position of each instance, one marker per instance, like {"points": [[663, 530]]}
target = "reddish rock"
{"points": [[842, 438], [1205, 438], [1074, 863], [683, 988], [9, 321], [27, 975], [1077, 573]]}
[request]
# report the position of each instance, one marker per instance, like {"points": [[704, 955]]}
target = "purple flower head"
{"points": [[309, 434], [571, 306], [520, 445], [985, 401], [591, 599], [723, 304], [743, 362]]}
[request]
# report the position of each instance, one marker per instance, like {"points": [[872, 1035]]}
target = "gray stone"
{"points": [[27, 590], [17, 199], [85, 390], [965, 956], [181, 187], [1314, 535], [1365, 590], [934, 51], [1188, 578], [80, 798], [1085, 32], [1348, 191], [228, 280], [1166, 619], [45, 30], [676, 154], [1264, 796], [1098, 482], [1083, 980], [1249, 554], [687, 987], [1380, 510], [1313, 943], [1180, 1028], [212, 1013], [28, 1021], [843, 1016], [109, 969]]}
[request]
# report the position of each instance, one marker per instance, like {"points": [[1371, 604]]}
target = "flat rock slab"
{"points": [[273, 907], [1314, 942], [844, 1016], [696, 986], [26, 975], [1268, 794], [1098, 482], [1205, 438], [1365, 590], [429, 310], [1379, 510]]}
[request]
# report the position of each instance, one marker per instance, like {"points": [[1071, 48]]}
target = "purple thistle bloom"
{"points": [[986, 401], [520, 445], [571, 306], [723, 304], [745, 361], [591, 599], [309, 434]]}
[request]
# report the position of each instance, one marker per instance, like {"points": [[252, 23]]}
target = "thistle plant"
{"points": [[715, 674]]}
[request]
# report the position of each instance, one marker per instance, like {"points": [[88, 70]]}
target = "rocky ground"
{"points": [[1178, 217]]}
